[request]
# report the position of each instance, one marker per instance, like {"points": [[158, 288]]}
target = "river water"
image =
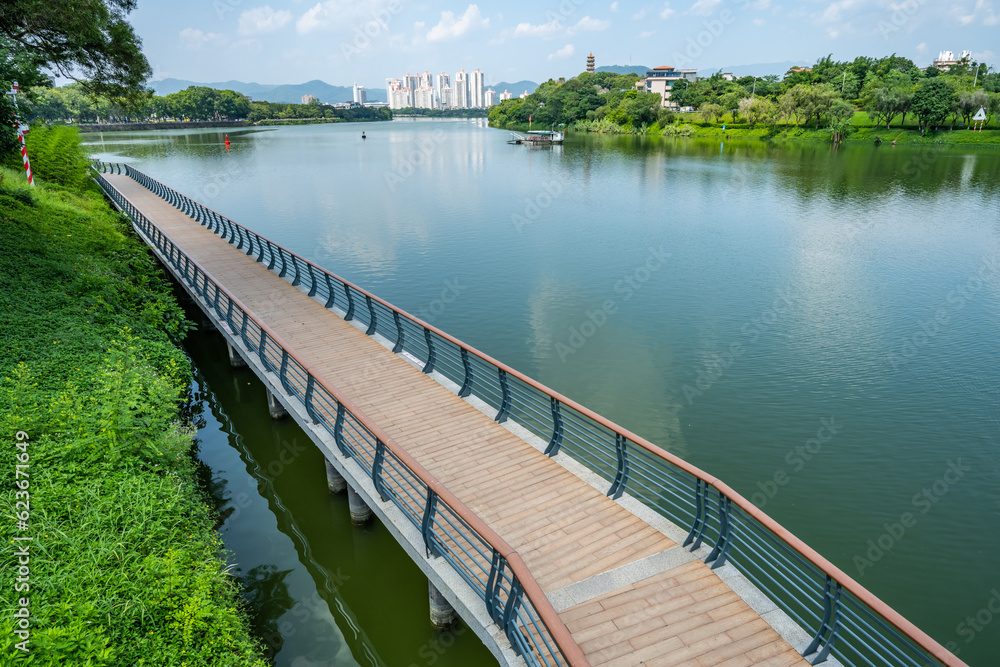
{"points": [[817, 327]]}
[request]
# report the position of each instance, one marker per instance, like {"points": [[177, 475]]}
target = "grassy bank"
{"points": [[863, 130], [123, 566]]}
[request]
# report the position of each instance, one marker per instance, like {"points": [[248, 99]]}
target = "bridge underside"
{"points": [[628, 593]]}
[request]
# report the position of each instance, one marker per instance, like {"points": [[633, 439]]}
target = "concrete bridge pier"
{"points": [[235, 360], [335, 482], [360, 512], [442, 613], [274, 408], [207, 324]]}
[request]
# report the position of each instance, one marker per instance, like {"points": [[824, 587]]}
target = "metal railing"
{"points": [[845, 619], [450, 530]]}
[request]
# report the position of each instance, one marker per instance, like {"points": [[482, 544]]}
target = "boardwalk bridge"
{"points": [[559, 537]]}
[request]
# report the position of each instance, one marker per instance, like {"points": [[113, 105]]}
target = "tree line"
{"points": [[72, 103], [829, 93]]}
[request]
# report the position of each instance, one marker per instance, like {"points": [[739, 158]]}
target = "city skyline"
{"points": [[334, 40], [466, 90]]}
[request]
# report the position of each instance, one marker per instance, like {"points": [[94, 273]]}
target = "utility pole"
{"points": [[842, 83], [22, 130], [754, 88]]}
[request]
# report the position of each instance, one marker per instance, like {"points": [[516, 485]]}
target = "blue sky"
{"points": [[340, 42]]}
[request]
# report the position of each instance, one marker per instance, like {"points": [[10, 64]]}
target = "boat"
{"points": [[538, 137]]}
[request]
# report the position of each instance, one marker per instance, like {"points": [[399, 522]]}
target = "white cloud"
{"points": [[704, 6], [564, 52], [648, 33], [313, 19], [587, 24], [758, 22], [614, 6], [922, 47], [982, 13], [262, 20], [542, 30], [348, 13], [832, 33], [641, 13], [194, 40], [835, 10], [666, 12], [449, 27]]}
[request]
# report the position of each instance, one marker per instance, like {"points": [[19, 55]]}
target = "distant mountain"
{"points": [[624, 69], [515, 88], [286, 94]]}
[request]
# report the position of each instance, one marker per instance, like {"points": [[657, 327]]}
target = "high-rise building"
{"points": [[477, 82], [411, 81], [360, 94], [306, 99], [446, 97], [462, 90], [590, 63], [423, 98], [400, 96], [444, 81], [489, 97], [505, 95], [427, 79]]}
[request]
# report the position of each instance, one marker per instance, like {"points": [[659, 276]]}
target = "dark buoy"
{"points": [[363, 134]]}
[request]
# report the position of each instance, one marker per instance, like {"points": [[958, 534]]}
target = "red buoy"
{"points": [[227, 142]]}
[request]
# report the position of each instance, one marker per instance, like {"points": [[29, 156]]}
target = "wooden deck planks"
{"points": [[564, 530]]}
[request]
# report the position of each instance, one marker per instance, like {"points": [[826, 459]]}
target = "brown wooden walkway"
{"points": [[669, 610]]}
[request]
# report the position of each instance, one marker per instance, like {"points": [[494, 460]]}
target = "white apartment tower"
{"points": [[489, 97], [462, 90], [443, 82], [423, 98], [476, 85], [505, 95], [360, 94]]}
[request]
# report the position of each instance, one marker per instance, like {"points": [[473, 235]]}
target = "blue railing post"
{"points": [[330, 299], [697, 532], [828, 631], [398, 347], [431, 355], [377, 470], [494, 606], [505, 399], [261, 351], [338, 430], [372, 322], [427, 525], [349, 315], [509, 624], [621, 475], [467, 384], [298, 275], [310, 408], [721, 549], [557, 428], [312, 278]]}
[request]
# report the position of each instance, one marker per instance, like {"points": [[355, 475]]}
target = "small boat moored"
{"points": [[537, 137]]}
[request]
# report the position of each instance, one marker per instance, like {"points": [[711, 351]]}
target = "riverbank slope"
{"points": [[121, 564]]}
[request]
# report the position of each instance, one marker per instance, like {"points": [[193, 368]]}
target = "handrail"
{"points": [[698, 512], [532, 590]]}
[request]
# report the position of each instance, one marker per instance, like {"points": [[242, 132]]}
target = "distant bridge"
{"points": [[559, 537]]}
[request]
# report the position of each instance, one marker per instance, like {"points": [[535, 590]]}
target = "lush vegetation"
{"points": [[441, 113], [125, 566], [72, 104], [827, 97]]}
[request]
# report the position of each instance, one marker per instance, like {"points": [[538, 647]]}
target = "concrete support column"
{"points": [[442, 613], [206, 323], [360, 512], [276, 409], [335, 482], [235, 360]]}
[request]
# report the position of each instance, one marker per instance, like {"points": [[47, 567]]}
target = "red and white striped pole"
{"points": [[22, 130]]}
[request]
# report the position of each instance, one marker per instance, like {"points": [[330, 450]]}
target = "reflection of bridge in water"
{"points": [[560, 537]]}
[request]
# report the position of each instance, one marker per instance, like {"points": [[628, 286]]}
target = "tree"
{"points": [[841, 111], [86, 41], [711, 113], [970, 101], [932, 102], [806, 101], [758, 110], [889, 96]]}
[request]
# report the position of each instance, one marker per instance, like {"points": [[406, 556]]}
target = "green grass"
{"points": [[125, 567]]}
